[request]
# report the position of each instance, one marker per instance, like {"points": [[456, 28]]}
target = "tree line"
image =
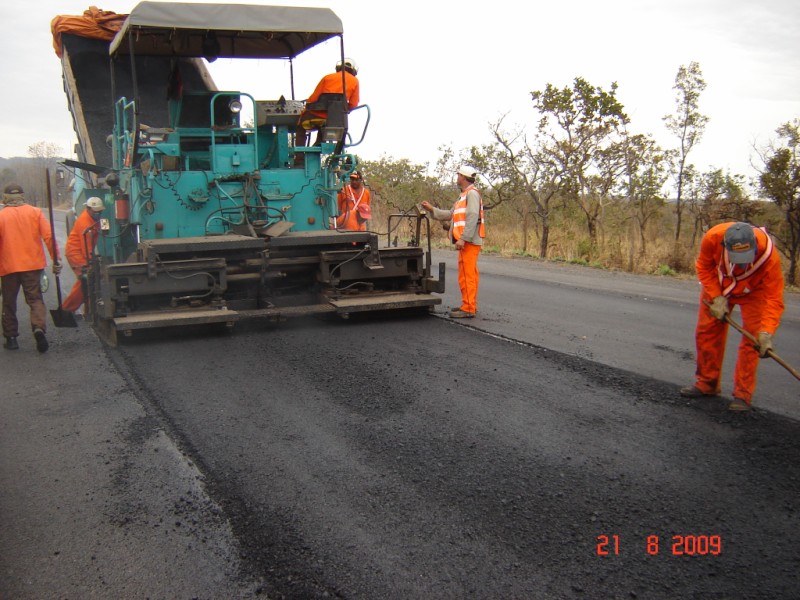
{"points": [[30, 174], [580, 162]]}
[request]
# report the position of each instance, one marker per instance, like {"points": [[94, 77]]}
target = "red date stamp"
{"points": [[679, 545]]}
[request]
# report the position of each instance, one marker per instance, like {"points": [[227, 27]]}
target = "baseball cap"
{"points": [[740, 242], [467, 171], [13, 188], [95, 203]]}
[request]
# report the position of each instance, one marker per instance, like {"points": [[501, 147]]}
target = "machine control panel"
{"points": [[278, 112]]}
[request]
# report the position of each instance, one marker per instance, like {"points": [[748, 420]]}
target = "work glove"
{"points": [[56, 268], [719, 308], [764, 343]]}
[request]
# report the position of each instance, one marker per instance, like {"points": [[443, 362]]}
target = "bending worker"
{"points": [[329, 87], [737, 265], [466, 232], [80, 245], [354, 205]]}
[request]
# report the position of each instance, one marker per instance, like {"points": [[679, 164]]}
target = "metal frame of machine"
{"points": [[207, 218]]}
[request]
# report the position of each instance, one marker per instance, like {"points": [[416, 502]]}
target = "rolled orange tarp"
{"points": [[95, 23]]}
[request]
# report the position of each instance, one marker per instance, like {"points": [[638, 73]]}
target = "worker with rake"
{"points": [[738, 264]]}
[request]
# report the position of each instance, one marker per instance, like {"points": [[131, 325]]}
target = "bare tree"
{"points": [[32, 173], [688, 125], [523, 179]]}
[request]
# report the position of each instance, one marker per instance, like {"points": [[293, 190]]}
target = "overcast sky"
{"points": [[438, 72]]}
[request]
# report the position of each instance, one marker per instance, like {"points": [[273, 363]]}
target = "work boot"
{"points": [[694, 392], [461, 314], [41, 340], [739, 405], [11, 343]]}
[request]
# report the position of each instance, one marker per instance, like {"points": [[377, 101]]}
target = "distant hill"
{"points": [[7, 162]]}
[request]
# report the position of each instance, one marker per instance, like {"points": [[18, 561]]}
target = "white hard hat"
{"points": [[467, 171], [349, 65], [95, 203]]}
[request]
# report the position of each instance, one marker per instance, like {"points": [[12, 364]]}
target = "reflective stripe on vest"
{"points": [[351, 195], [460, 214], [725, 268], [350, 199]]}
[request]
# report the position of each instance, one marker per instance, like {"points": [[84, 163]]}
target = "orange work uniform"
{"points": [[467, 224], [468, 275], [23, 228], [80, 244], [330, 84], [348, 201], [756, 288]]}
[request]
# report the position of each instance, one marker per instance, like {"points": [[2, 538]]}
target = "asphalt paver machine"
{"points": [[212, 217]]}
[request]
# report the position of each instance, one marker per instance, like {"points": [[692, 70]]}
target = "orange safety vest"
{"points": [[460, 214], [348, 208], [725, 268]]}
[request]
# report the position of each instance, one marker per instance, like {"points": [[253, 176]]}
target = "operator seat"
{"points": [[334, 128]]}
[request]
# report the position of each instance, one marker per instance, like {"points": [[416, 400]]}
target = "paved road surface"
{"points": [[637, 323], [398, 458]]}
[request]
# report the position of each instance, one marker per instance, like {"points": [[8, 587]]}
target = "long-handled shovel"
{"points": [[61, 317], [770, 352], [752, 338]]}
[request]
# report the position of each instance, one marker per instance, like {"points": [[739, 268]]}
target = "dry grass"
{"points": [[618, 245]]}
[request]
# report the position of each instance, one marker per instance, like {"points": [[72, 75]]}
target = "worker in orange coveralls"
{"points": [[466, 232], [23, 228], [737, 265], [80, 244], [315, 114], [354, 205]]}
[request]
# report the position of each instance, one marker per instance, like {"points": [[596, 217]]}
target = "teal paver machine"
{"points": [[214, 213]]}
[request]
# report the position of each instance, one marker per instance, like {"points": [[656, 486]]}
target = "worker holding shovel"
{"points": [[737, 265]]}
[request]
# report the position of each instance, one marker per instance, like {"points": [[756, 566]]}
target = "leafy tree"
{"points": [[399, 184], [578, 142], [780, 182], [688, 125], [723, 197], [605, 183], [645, 174]]}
